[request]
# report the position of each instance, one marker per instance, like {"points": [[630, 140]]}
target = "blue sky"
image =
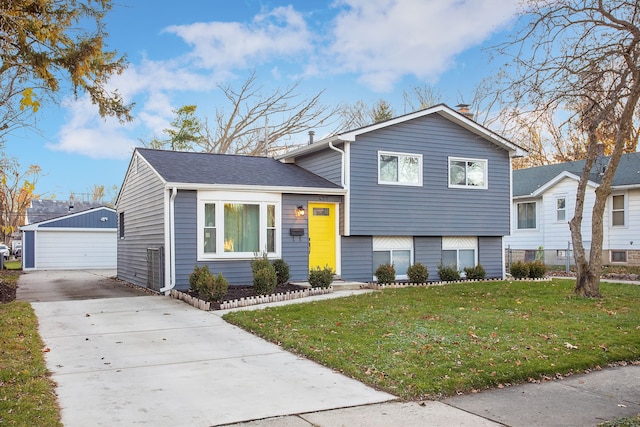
{"points": [[178, 52]]}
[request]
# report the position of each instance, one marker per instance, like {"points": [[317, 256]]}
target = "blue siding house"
{"points": [[431, 186]]}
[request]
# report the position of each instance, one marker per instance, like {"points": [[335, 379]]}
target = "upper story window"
{"points": [[526, 215], [399, 168], [561, 209], [467, 173], [233, 228], [618, 210]]}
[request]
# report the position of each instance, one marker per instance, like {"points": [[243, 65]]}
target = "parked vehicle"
{"points": [[4, 251]]}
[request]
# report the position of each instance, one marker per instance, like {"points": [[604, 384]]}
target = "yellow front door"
{"points": [[322, 235]]}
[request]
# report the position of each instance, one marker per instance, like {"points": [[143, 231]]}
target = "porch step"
{"points": [[339, 285]]}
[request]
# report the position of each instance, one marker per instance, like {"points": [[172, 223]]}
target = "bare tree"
{"points": [[259, 124], [420, 97], [583, 57]]}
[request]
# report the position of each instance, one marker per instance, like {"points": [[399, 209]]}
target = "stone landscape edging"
{"points": [[248, 301]]}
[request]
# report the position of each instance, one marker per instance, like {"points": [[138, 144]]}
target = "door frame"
{"points": [[338, 260]]}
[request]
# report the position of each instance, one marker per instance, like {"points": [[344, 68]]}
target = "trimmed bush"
{"points": [[475, 273], [448, 273], [282, 271], [265, 280], [260, 262], [417, 273], [321, 277], [537, 269], [197, 277], [519, 270], [208, 287], [386, 273]]}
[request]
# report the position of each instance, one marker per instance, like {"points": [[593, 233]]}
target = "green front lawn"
{"points": [[27, 394], [431, 342]]}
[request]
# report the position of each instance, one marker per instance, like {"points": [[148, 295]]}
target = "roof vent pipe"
{"points": [[311, 133]]}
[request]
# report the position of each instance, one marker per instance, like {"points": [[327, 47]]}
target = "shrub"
{"points": [[448, 273], [260, 262], [537, 269], [215, 289], [475, 273], [519, 270], [386, 273], [197, 277], [417, 273], [321, 277], [282, 271], [208, 287], [265, 280]]}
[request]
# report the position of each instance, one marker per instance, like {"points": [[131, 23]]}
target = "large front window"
{"points": [[237, 228], [399, 168], [526, 215], [467, 173]]}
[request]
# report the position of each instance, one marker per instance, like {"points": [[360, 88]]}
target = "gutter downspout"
{"points": [[347, 221], [172, 243]]}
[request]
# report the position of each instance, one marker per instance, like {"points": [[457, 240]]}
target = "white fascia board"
{"points": [[257, 188], [56, 229], [557, 179]]}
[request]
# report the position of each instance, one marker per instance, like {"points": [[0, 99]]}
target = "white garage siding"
{"points": [[64, 249]]}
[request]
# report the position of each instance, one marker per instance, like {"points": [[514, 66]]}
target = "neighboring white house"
{"points": [[544, 200]]}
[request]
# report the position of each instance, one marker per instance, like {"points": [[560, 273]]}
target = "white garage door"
{"points": [[74, 250]]}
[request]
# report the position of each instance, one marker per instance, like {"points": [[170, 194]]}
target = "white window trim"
{"points": [[558, 210], [451, 243], [397, 154], [220, 198], [516, 218], [625, 210], [472, 187]]}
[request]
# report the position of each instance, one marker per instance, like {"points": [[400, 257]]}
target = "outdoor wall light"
{"points": [[300, 211], [104, 219]]}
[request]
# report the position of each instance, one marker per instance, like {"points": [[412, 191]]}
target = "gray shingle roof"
{"points": [[46, 209], [225, 169], [527, 181]]}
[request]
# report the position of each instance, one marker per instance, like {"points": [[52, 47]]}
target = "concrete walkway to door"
{"points": [[157, 361]]}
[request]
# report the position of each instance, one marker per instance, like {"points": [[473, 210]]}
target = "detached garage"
{"points": [[78, 241]]}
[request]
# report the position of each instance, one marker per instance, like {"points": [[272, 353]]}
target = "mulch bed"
{"points": [[7, 291], [236, 292]]}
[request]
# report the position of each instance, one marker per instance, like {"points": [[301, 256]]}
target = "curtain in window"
{"points": [[241, 228]]}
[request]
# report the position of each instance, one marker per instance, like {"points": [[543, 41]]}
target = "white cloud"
{"points": [[280, 33], [383, 40], [88, 134]]}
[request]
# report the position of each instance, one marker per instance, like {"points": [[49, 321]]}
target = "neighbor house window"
{"points": [[237, 228], [618, 256], [399, 168], [121, 225], [526, 215], [459, 252], [617, 210], [393, 250], [561, 209], [467, 173]]}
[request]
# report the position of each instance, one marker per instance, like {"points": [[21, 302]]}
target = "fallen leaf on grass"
{"points": [[570, 346]]}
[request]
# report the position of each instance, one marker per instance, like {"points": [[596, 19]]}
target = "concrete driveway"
{"points": [[66, 285], [157, 361]]}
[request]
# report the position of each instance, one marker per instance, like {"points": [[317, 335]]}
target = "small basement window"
{"points": [[618, 256]]}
